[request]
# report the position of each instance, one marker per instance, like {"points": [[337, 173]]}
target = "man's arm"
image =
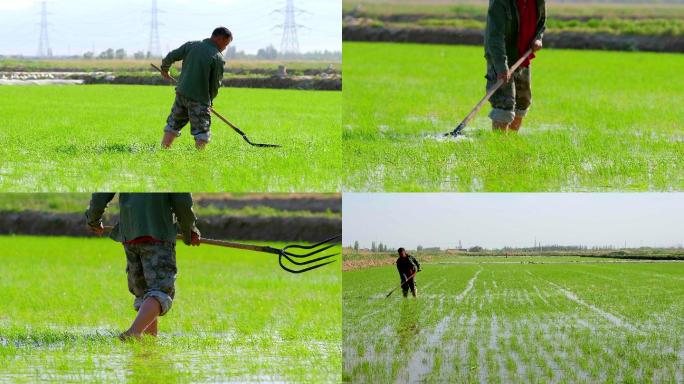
{"points": [[496, 37], [181, 203], [173, 56], [215, 78], [97, 207], [415, 262], [541, 24]]}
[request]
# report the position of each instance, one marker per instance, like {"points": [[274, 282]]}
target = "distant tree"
{"points": [[419, 248], [268, 53], [89, 55], [107, 55], [120, 54], [476, 248], [140, 55], [231, 52], [374, 248], [356, 246]]}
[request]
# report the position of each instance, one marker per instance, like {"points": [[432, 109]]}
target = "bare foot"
{"points": [[128, 336]]}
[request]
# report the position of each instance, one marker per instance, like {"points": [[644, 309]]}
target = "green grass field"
{"points": [[600, 121], [105, 137], [236, 317], [494, 323]]}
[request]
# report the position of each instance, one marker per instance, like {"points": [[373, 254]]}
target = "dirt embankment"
{"points": [[319, 82], [570, 40], [308, 229], [331, 83], [303, 202]]}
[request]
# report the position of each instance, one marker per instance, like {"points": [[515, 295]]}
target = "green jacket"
{"points": [[501, 34], [147, 214], [202, 71]]}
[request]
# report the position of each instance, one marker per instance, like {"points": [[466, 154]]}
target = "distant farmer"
{"points": [[407, 266], [147, 228], [513, 27], [197, 87]]}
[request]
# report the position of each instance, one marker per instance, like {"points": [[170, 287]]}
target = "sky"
{"points": [[78, 25], [496, 220]]}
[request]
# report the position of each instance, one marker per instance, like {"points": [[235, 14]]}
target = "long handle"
{"points": [[402, 284], [493, 89], [230, 244]]}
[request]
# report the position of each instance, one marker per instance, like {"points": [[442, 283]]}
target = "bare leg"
{"points": [[168, 139], [499, 126], [151, 329], [201, 144], [148, 313], [515, 125], [415, 292]]}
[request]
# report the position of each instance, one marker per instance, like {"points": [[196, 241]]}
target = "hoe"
{"points": [[490, 92], [302, 257], [402, 284], [235, 128]]}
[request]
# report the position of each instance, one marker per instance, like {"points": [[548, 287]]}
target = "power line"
{"points": [[290, 41], [154, 48], [44, 43]]}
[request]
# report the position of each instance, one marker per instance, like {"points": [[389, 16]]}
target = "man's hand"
{"points": [[536, 45], [195, 240], [165, 74], [98, 230], [505, 76]]}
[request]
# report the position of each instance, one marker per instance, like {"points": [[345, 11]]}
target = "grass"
{"points": [[613, 26], [236, 317], [516, 323], [600, 121], [106, 137]]}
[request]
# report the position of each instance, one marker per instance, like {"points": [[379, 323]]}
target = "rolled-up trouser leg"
{"points": [[523, 90], [503, 100], [200, 120], [178, 118], [152, 272]]}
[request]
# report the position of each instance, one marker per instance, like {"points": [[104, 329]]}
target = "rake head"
{"points": [[457, 131], [307, 257]]}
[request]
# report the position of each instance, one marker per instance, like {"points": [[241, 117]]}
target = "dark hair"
{"points": [[400, 250], [222, 31]]}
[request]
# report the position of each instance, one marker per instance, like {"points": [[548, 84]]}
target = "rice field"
{"points": [[517, 323], [107, 137], [599, 121], [236, 317]]}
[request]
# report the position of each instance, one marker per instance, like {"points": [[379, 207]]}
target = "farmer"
{"points": [[147, 229], [513, 27], [407, 266], [197, 86]]}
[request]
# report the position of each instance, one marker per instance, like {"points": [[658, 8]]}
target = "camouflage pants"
{"points": [[511, 99], [411, 284], [185, 110], [151, 269]]}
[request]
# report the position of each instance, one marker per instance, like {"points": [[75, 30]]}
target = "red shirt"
{"points": [[527, 30], [144, 240]]}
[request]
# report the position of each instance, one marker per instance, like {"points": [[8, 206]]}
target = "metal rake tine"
{"points": [[309, 261], [297, 255], [331, 242], [280, 261], [299, 246]]}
